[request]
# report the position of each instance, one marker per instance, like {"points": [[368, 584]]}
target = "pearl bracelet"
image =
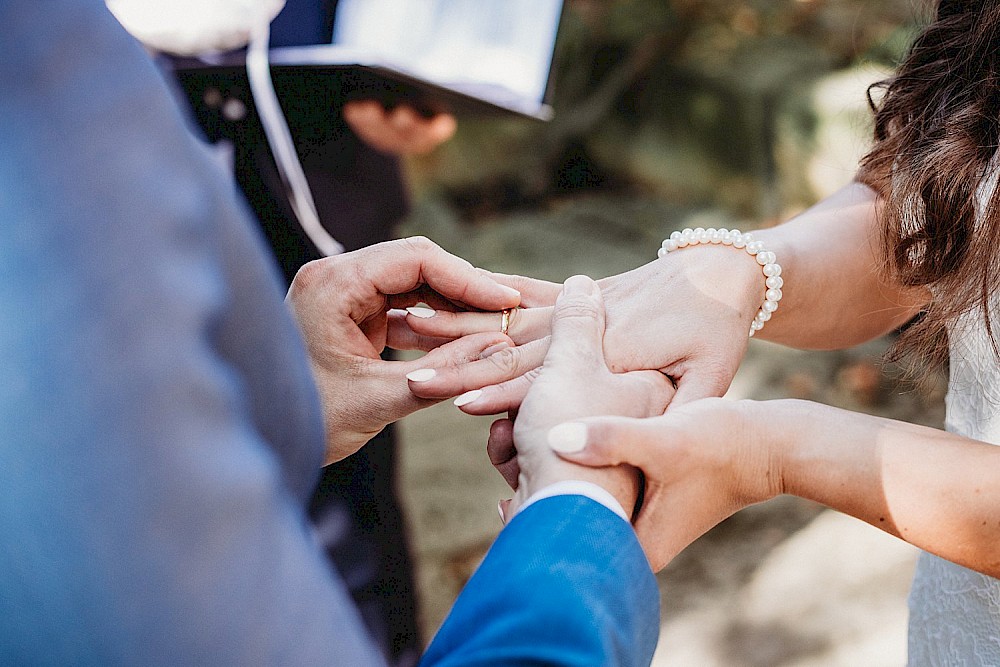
{"points": [[767, 260]]}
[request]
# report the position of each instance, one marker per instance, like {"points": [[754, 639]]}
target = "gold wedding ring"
{"points": [[505, 320]]}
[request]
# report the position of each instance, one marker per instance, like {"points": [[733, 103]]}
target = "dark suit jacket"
{"points": [[359, 192], [160, 430]]}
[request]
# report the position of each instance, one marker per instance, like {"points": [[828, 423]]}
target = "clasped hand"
{"points": [[702, 461], [579, 419], [573, 382]]}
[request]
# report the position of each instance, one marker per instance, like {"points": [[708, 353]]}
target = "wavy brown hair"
{"points": [[936, 135]]}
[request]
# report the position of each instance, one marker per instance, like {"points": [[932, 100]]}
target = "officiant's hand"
{"points": [[347, 309], [401, 130], [686, 315], [573, 382], [702, 462]]}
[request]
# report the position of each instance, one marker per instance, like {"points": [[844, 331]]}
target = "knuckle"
{"points": [[309, 274], [506, 361], [578, 308], [420, 244], [532, 375]]}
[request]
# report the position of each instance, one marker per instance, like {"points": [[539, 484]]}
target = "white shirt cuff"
{"points": [[575, 487]]}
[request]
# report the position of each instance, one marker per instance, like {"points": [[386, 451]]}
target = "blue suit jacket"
{"points": [[159, 430]]}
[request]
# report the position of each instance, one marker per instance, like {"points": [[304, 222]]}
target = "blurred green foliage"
{"points": [[698, 101]]}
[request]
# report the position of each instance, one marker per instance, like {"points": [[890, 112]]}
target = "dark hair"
{"points": [[937, 128]]}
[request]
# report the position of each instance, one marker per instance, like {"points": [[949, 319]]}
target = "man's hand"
{"points": [[346, 309], [574, 382], [398, 131]]}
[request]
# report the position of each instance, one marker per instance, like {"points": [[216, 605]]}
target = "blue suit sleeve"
{"points": [[566, 583]]}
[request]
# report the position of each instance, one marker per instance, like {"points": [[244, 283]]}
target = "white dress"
{"points": [[955, 612]]}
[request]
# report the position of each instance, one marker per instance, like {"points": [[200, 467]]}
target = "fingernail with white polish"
{"points": [[578, 284], [468, 397], [500, 511], [511, 291], [493, 349], [421, 312], [568, 438], [422, 375]]}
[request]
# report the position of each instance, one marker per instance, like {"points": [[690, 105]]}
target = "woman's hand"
{"points": [[707, 459], [573, 382], [703, 461], [347, 309], [398, 131], [686, 315]]}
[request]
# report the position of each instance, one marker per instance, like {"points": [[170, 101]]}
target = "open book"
{"points": [[480, 57]]}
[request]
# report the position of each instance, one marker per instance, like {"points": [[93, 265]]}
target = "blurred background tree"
{"points": [[699, 101]]}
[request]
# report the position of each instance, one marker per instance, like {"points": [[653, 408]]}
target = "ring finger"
{"points": [[524, 324]]}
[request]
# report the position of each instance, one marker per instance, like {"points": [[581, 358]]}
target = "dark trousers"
{"points": [[357, 512], [359, 195]]}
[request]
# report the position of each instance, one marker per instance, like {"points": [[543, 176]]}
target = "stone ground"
{"points": [[782, 583]]}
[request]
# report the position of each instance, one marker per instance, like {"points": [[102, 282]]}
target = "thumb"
{"points": [[695, 385], [577, 326], [607, 441]]}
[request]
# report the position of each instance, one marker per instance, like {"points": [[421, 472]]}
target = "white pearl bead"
{"points": [[767, 260]]}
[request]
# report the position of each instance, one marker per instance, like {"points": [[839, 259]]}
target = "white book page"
{"points": [[504, 46]]}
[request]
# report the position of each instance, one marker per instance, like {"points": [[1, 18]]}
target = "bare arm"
{"points": [[836, 293], [708, 459], [687, 314], [934, 489]]}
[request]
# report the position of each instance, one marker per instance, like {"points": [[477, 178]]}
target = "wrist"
{"points": [[726, 275], [794, 451], [769, 282], [772, 432], [622, 482]]}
